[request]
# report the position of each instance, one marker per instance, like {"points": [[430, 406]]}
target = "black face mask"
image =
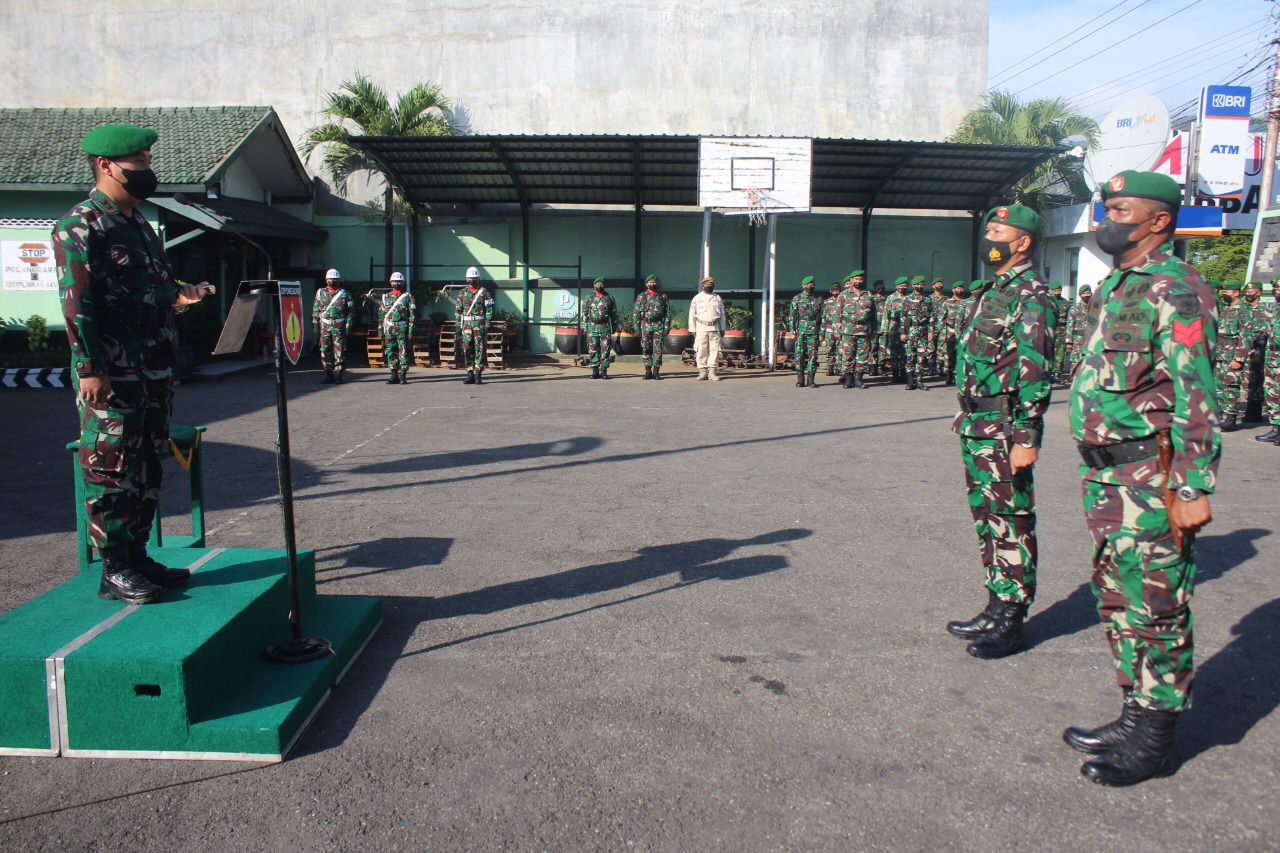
{"points": [[994, 254], [139, 183], [808, 288], [1113, 237]]}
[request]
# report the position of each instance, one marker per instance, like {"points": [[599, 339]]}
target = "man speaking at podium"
{"points": [[119, 295]]}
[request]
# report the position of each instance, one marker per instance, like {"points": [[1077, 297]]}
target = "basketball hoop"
{"points": [[757, 208]]}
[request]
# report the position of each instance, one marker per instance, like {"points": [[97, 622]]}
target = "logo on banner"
{"points": [[291, 319], [1224, 142]]}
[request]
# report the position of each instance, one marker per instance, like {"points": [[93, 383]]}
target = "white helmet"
{"points": [[473, 272], [397, 276], [332, 274]]}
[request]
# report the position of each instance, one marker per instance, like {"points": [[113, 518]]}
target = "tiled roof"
{"points": [[42, 146]]}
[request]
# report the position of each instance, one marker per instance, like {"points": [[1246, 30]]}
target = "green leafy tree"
{"points": [[1223, 258], [361, 107], [1004, 120]]}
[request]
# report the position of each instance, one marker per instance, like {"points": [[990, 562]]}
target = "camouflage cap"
{"points": [[1135, 184], [902, 279], [918, 280], [117, 140], [1017, 215], [807, 280]]}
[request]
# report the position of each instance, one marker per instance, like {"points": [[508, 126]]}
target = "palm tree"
{"points": [[1004, 120], [361, 107]]}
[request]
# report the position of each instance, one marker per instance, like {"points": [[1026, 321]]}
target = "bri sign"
{"points": [[1224, 142]]}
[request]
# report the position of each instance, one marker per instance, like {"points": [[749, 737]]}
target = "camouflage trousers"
{"points": [[1003, 505], [121, 451], [855, 352], [471, 347], [1143, 587], [651, 340], [829, 349], [917, 351], [1231, 388], [598, 348], [806, 351], [397, 347], [1271, 384], [947, 353], [333, 346], [1059, 353]]}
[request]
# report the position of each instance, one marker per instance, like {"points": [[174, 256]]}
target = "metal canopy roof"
{"points": [[663, 170]]}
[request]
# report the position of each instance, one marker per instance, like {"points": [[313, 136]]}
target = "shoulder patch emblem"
{"points": [[1186, 304]]}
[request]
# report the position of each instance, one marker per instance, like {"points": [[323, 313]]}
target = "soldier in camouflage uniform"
{"points": [[330, 313], [937, 299], [804, 318], [829, 343], [954, 312], [1142, 412], [892, 354], [1256, 320], [1003, 359], [119, 295], [916, 333], [474, 306], [1232, 356], [1076, 317], [601, 315], [878, 297], [1060, 333], [653, 319], [856, 324], [396, 313], [1271, 375]]}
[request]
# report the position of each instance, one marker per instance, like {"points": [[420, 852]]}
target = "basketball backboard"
{"points": [[742, 175]]}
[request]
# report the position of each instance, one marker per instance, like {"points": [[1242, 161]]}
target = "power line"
{"points": [[1036, 52], [1147, 80], [1108, 47]]}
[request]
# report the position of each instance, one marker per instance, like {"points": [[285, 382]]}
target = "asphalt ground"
{"points": [[671, 615]]}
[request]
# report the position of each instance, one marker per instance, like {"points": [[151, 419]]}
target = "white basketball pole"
{"points": [[771, 271], [706, 244]]}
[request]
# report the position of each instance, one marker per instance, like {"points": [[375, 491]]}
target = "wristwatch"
{"points": [[1188, 493]]}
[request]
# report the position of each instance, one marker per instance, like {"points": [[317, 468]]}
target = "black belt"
{"points": [[1121, 453], [999, 403]]}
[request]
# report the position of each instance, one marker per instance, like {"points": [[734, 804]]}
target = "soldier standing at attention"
{"points": [[1271, 375], [1142, 413], [891, 352], [707, 317], [398, 311], [804, 318], [330, 312], [1003, 359], [474, 307], [856, 321], [936, 299], [1257, 319], [1061, 308], [954, 311], [1232, 356], [1076, 318], [878, 297], [119, 295], [601, 314], [916, 333], [654, 321], [829, 345]]}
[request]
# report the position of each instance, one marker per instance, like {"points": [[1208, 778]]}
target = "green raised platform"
{"points": [[183, 678]]}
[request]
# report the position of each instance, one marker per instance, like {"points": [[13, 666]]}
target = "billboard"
{"points": [[1224, 141]]}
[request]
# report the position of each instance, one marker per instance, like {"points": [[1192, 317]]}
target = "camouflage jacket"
{"points": [[917, 314], [1076, 318], [855, 313], [473, 307], [332, 308], [652, 312], [937, 313], [1061, 309], [829, 312], [891, 314], [600, 313], [1233, 339], [804, 313], [955, 313], [118, 292], [1007, 349], [396, 310], [1257, 322], [1147, 366]]}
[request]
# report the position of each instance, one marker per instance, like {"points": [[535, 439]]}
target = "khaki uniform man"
{"points": [[707, 318]]}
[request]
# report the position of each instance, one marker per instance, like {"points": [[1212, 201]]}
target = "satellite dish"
{"points": [[1132, 136]]}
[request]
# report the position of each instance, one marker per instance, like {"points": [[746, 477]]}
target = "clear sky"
{"points": [[1202, 42]]}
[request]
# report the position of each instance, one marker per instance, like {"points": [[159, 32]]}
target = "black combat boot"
{"points": [[155, 571], [1228, 423], [1146, 752], [1006, 637], [395, 378], [831, 370], [648, 371], [1272, 437], [1107, 736], [657, 371], [857, 380], [920, 382], [813, 379], [980, 624], [595, 372], [799, 379], [911, 382], [328, 378], [604, 372], [478, 380], [846, 379], [404, 377], [471, 378], [122, 582], [338, 376]]}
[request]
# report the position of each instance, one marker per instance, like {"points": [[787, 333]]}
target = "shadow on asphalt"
{"points": [[389, 554], [484, 456], [695, 562], [1215, 556]]}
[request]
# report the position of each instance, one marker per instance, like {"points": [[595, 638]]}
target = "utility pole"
{"points": [[1273, 130]]}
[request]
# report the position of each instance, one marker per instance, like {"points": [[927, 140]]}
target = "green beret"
{"points": [[1086, 289], [1055, 285], [855, 274], [650, 278], [902, 279], [918, 280], [599, 280], [938, 280], [807, 280], [1256, 284], [1131, 183], [835, 285], [976, 283], [1230, 284], [1017, 215], [956, 284], [117, 140]]}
